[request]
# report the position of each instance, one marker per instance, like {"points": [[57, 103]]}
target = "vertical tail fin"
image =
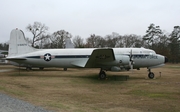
{"points": [[18, 44]]}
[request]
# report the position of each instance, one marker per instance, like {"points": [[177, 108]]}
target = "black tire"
{"points": [[28, 68], [41, 68], [102, 75], [151, 75], [65, 69]]}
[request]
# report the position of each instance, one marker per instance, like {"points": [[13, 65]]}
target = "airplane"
{"points": [[3, 53], [107, 59]]}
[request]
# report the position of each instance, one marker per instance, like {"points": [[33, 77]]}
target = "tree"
{"points": [[139, 42], [152, 35], [58, 38], [130, 40], [37, 29], [95, 41], [4, 46], [78, 42], [162, 46], [120, 42], [174, 44], [111, 40], [45, 42]]}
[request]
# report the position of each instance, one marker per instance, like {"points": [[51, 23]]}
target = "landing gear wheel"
{"points": [[102, 75], [41, 68], [28, 68], [151, 75]]}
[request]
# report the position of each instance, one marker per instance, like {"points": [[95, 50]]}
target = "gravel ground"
{"points": [[9, 104]]}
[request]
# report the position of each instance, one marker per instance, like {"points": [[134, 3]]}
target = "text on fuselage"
{"points": [[145, 57], [22, 44]]}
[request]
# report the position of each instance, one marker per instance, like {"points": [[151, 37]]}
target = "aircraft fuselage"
{"points": [[66, 57]]}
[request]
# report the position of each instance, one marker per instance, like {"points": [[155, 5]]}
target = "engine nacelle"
{"points": [[122, 59], [120, 63], [115, 69]]}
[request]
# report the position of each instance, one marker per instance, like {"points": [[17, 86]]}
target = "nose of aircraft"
{"points": [[165, 59]]}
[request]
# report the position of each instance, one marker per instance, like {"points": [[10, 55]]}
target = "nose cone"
{"points": [[165, 59]]}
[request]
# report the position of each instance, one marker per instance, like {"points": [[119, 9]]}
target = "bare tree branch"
{"points": [[37, 29]]}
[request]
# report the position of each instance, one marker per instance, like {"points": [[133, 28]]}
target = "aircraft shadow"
{"points": [[21, 72], [89, 76]]}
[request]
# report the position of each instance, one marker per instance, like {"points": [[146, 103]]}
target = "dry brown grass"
{"points": [[80, 90]]}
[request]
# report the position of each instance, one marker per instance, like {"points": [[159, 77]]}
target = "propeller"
{"points": [[131, 62]]}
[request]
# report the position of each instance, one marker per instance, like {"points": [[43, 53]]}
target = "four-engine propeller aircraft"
{"points": [[107, 59]]}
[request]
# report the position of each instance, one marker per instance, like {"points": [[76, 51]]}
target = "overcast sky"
{"points": [[85, 17]]}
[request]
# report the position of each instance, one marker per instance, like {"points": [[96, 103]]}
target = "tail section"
{"points": [[18, 44]]}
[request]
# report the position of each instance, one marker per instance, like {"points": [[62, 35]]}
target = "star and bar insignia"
{"points": [[47, 57]]}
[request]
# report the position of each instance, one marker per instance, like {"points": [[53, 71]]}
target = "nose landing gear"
{"points": [[151, 74]]}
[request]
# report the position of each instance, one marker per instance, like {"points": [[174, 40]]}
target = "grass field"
{"points": [[80, 90]]}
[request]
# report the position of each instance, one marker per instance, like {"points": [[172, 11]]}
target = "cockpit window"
{"points": [[153, 52], [149, 52]]}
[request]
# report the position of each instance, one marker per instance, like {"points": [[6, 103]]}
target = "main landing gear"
{"points": [[102, 74], [28, 68], [151, 74]]}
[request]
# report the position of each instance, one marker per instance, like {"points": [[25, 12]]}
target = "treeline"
{"points": [[154, 38], [4, 46]]}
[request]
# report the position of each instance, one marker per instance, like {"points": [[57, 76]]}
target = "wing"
{"points": [[100, 56], [80, 63], [96, 59]]}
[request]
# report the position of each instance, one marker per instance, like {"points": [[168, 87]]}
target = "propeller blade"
{"points": [[131, 60], [131, 66], [131, 55]]}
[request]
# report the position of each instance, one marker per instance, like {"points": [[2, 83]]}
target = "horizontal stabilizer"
{"points": [[14, 59]]}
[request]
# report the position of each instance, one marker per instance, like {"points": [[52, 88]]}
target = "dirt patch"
{"points": [[80, 89]]}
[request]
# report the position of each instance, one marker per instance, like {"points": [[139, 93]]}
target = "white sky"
{"points": [[85, 17]]}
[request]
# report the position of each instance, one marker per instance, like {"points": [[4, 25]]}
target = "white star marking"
{"points": [[47, 57]]}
